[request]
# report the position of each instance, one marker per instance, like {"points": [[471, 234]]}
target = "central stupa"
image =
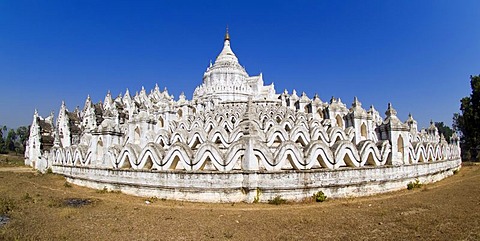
{"points": [[226, 80]]}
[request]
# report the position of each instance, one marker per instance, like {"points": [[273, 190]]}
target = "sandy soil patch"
{"points": [[446, 210]]}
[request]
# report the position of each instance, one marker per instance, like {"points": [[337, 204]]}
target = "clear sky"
{"points": [[418, 55]]}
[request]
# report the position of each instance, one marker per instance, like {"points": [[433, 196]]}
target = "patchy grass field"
{"points": [[11, 160], [45, 207]]}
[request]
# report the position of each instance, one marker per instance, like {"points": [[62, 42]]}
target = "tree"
{"points": [[467, 123], [19, 148], [14, 140], [3, 147], [10, 141], [445, 130], [23, 132]]}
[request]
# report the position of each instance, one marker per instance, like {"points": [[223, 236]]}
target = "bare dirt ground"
{"points": [[45, 207]]}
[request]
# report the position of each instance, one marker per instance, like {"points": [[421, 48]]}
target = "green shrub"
{"points": [[152, 199], [105, 190], [256, 199], [412, 185], [67, 184], [319, 196], [49, 171], [277, 200]]}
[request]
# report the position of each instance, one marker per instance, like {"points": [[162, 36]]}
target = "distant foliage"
{"points": [[446, 131], [3, 147], [467, 123], [13, 140], [10, 141]]}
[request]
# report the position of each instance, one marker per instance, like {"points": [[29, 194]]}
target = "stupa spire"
{"points": [[227, 54], [227, 36]]}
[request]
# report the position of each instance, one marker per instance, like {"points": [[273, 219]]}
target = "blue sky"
{"points": [[416, 54]]}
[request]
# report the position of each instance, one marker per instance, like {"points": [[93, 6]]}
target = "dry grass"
{"points": [[447, 210], [11, 160]]}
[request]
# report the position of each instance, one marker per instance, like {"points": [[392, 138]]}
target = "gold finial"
{"points": [[227, 36]]}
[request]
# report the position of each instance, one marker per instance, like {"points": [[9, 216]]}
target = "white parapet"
{"points": [[243, 186]]}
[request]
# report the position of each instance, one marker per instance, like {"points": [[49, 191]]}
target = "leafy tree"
{"points": [[13, 140], [467, 123], [10, 141], [445, 130], [23, 132], [3, 147], [19, 147]]}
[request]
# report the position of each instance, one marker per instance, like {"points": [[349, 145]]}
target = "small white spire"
{"points": [[390, 111]]}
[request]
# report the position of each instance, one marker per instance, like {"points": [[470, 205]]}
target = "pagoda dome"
{"points": [[226, 67], [227, 81]]}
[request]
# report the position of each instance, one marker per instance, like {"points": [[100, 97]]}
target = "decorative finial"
{"points": [[356, 103], [227, 36], [390, 111]]}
